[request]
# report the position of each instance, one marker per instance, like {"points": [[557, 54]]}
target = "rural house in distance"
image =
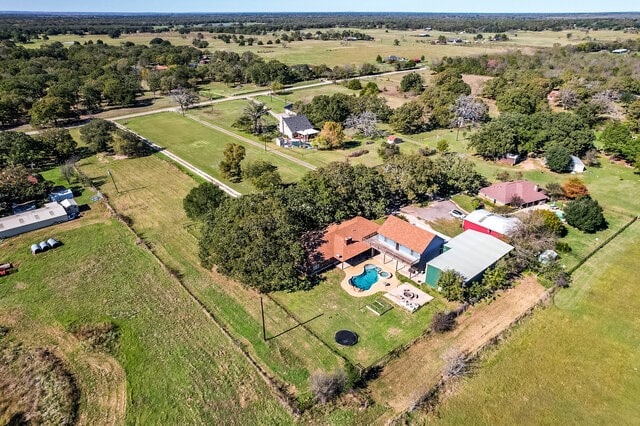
{"points": [[520, 193]]}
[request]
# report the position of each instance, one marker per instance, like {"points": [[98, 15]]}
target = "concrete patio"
{"points": [[379, 286]]}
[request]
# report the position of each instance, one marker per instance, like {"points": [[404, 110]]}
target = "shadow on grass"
{"points": [[300, 324]]}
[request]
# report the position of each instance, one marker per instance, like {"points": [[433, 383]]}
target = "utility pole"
{"points": [[113, 180], [264, 328]]}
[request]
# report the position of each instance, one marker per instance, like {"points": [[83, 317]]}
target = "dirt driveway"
{"points": [[407, 378], [436, 210]]}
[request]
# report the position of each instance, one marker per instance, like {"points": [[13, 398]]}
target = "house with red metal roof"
{"points": [[520, 193]]}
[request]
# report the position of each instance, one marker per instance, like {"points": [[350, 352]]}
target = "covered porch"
{"points": [[400, 261]]}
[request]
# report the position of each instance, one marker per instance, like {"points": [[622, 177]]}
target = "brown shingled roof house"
{"points": [[520, 193]]}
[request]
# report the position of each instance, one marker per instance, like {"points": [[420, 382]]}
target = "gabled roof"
{"points": [[297, 123], [343, 241], [406, 234], [504, 192], [471, 253], [496, 223]]}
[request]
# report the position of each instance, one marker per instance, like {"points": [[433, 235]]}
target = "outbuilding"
{"points": [[577, 166], [469, 254], [490, 223], [50, 214], [71, 207], [61, 194]]}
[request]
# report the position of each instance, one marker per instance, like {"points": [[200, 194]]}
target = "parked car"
{"points": [[457, 214]]}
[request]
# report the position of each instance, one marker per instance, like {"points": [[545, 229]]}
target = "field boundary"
{"points": [[278, 387], [304, 326], [190, 167], [431, 398], [602, 244]]}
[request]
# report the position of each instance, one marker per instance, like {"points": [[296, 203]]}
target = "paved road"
{"points": [[251, 142], [263, 93], [193, 169]]}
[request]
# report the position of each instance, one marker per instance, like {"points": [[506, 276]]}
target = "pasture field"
{"points": [[338, 52], [204, 147], [574, 362], [334, 309], [151, 193], [166, 345]]}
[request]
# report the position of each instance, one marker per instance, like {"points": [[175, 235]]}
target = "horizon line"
{"points": [[319, 12]]}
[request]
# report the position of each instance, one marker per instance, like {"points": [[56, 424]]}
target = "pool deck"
{"points": [[377, 287]]}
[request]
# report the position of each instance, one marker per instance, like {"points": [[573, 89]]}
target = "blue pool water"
{"points": [[367, 278]]}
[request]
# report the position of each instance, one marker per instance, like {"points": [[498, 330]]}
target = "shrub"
{"points": [[353, 84], [551, 222], [574, 188], [558, 158], [585, 214], [443, 322], [358, 153], [327, 386], [562, 247]]}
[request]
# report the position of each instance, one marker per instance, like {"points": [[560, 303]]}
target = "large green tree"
{"points": [[263, 175], [202, 200], [558, 158], [230, 166], [585, 214], [254, 240], [337, 192], [59, 143], [412, 82], [617, 139], [17, 148], [409, 118], [98, 134]]}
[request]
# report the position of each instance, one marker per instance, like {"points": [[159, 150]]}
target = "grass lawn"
{"points": [[172, 364], [204, 147], [574, 362], [378, 334], [224, 114], [151, 193]]}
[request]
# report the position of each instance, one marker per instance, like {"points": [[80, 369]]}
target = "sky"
{"points": [[457, 6]]}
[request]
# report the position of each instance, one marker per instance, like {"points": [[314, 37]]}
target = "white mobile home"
{"points": [[50, 214]]}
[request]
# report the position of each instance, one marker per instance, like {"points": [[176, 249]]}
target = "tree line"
{"points": [[24, 26]]}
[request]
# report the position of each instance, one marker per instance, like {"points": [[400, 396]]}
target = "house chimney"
{"points": [[348, 240], [537, 188]]}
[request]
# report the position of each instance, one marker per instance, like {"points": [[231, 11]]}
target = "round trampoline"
{"points": [[346, 338]]}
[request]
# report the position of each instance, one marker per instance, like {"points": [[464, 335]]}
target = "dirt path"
{"points": [[193, 169], [407, 378]]}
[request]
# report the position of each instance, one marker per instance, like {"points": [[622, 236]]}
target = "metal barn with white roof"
{"points": [[469, 254], [50, 214]]}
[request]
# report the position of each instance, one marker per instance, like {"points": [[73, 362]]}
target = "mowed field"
{"points": [[573, 363], [204, 147], [151, 194], [172, 364]]}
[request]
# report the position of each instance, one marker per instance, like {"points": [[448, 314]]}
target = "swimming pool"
{"points": [[367, 278]]}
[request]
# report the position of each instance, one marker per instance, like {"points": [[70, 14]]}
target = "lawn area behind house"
{"points": [[378, 335]]}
